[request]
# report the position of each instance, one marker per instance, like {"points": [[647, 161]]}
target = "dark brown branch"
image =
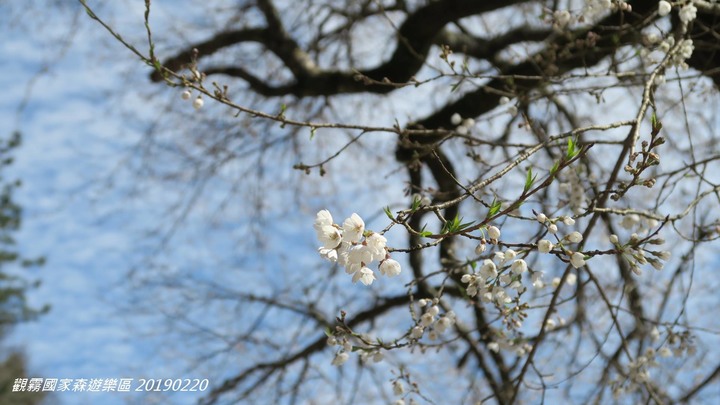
{"points": [[701, 385], [219, 41], [269, 368], [486, 48], [415, 37]]}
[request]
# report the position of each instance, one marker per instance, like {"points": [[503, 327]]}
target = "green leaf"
{"points": [[573, 149], [328, 332], [455, 225], [313, 130], [416, 203], [570, 148], [555, 167], [494, 208], [388, 213], [529, 180], [656, 124], [465, 225]]}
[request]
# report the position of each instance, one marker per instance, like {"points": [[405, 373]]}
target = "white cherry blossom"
{"points": [[376, 244], [575, 237], [340, 359], [545, 246], [577, 260], [329, 236], [488, 269], [519, 266], [390, 268], [353, 228], [365, 275], [664, 8], [688, 13]]}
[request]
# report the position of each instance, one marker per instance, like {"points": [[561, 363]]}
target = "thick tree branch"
{"points": [[271, 367], [415, 37]]}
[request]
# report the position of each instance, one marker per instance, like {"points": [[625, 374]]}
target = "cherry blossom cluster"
{"points": [[399, 389], [431, 320], [463, 126], [678, 344], [684, 53], [354, 247], [342, 355], [576, 258], [638, 369], [491, 284], [687, 13], [519, 347], [635, 250], [685, 48], [592, 10], [639, 225], [494, 280], [637, 255]]}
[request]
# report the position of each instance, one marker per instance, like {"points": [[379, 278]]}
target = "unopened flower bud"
{"points": [[398, 388], [657, 264], [456, 119], [575, 237], [577, 260], [664, 8], [545, 246]]}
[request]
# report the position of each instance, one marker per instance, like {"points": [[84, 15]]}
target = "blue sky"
{"points": [[88, 230], [95, 210]]}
